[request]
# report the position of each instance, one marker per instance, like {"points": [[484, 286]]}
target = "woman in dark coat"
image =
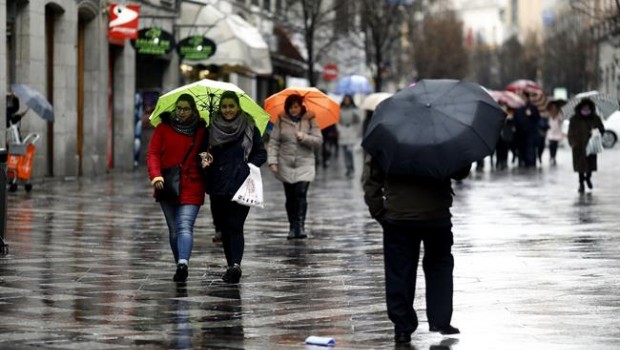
{"points": [[232, 142], [580, 128], [175, 141]]}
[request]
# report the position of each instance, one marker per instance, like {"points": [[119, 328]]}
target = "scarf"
{"points": [[223, 131], [188, 128]]}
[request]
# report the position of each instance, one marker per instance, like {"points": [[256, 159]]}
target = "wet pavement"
{"points": [[537, 267]]}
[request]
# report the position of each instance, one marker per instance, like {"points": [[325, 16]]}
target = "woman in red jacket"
{"points": [[176, 141]]}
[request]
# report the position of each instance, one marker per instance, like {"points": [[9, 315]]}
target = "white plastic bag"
{"points": [[251, 191], [595, 143]]}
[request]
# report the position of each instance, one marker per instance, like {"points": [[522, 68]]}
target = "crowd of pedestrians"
{"points": [[412, 210]]}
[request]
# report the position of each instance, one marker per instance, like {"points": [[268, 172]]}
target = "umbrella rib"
{"points": [[467, 125]]}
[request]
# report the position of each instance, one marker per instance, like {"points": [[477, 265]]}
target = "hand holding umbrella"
{"points": [[34, 100]]}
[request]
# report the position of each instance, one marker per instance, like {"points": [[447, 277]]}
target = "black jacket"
{"points": [[398, 197], [228, 171]]}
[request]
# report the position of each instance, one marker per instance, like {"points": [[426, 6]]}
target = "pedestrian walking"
{"points": [[554, 134], [580, 129], [526, 121], [413, 210], [349, 131], [232, 141], [291, 157], [506, 139], [175, 141], [329, 147], [543, 127], [13, 118]]}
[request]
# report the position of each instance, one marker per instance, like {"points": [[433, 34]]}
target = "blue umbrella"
{"points": [[434, 129], [35, 100], [354, 84]]}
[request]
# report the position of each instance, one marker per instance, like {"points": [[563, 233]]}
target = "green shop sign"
{"points": [[196, 48], [153, 42]]}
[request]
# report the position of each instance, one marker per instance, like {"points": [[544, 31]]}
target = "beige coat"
{"points": [[295, 159]]}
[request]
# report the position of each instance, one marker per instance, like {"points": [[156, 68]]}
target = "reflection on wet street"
{"points": [[537, 267]]}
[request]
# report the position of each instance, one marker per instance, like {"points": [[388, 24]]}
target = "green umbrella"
{"points": [[207, 94]]}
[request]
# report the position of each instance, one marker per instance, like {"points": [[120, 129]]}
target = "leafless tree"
{"points": [[519, 61], [484, 66], [382, 23], [316, 21], [588, 8], [569, 59], [439, 49]]}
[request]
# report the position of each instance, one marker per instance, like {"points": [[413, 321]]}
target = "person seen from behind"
{"points": [[527, 120], [414, 210], [232, 141], [175, 142], [291, 157], [580, 129]]}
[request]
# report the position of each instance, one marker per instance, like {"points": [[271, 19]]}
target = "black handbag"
{"points": [[172, 176], [172, 181]]}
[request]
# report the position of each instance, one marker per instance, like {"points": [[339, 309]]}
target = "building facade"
{"points": [[101, 89]]}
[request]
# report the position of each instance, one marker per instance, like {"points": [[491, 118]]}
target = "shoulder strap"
{"points": [[190, 147]]}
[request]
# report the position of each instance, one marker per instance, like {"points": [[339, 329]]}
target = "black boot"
{"points": [[301, 212], [292, 219]]}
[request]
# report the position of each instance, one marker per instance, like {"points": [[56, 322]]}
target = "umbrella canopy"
{"points": [[434, 129], [354, 84], [523, 84], [207, 94], [34, 100], [606, 105], [371, 101], [324, 107], [509, 98], [537, 95]]}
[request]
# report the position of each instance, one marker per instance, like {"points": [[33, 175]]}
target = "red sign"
{"points": [[123, 21], [330, 72]]}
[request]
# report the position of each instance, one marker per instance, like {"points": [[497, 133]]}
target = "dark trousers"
{"points": [[553, 148], [296, 204], [348, 158], [401, 248], [586, 177], [501, 154], [230, 217]]}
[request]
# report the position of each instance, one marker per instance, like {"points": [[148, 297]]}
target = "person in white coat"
{"points": [[291, 157], [349, 131], [554, 133]]}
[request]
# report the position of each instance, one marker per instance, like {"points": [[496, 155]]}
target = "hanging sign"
{"points": [[196, 48], [123, 21], [153, 42]]}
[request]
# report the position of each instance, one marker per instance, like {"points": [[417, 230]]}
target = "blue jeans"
{"points": [[180, 220]]}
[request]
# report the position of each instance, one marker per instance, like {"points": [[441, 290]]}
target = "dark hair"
{"points": [[585, 102], [231, 95], [350, 99], [294, 98], [189, 99]]}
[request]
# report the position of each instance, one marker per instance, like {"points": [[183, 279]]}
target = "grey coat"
{"points": [[349, 126], [295, 159]]}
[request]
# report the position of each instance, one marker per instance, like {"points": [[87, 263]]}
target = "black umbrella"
{"points": [[434, 128]]}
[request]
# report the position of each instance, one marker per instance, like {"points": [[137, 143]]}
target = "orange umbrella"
{"points": [[325, 108]]}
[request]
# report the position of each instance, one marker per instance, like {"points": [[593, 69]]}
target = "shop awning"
{"points": [[239, 44]]}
